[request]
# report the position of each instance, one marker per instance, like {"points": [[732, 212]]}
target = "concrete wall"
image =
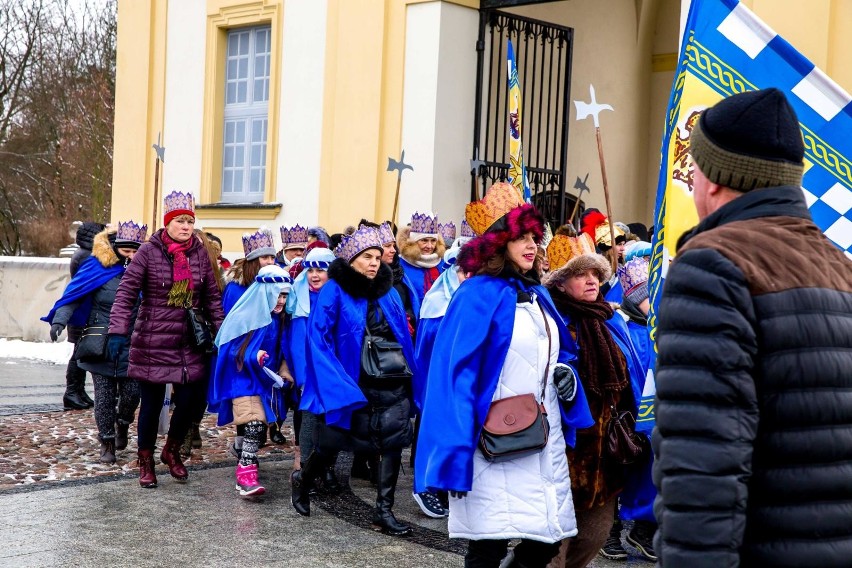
{"points": [[28, 289]]}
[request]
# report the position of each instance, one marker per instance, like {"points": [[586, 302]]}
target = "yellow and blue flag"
{"points": [[517, 169], [728, 50]]}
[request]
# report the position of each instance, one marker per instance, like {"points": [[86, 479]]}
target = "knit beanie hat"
{"points": [[634, 280], [749, 141]]}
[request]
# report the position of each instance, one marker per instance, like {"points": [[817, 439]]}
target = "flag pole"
{"points": [[161, 157], [613, 257], [593, 109], [399, 166]]}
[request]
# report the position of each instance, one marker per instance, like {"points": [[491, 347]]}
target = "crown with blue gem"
{"points": [[129, 233], [178, 203], [294, 237], [359, 241], [386, 233], [424, 226], [258, 244], [447, 231]]}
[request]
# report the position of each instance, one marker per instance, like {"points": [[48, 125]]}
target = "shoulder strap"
{"points": [[549, 347]]}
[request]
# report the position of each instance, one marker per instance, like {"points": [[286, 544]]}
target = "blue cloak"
{"points": [[469, 350], [335, 334], [231, 294], [227, 382], [298, 343], [416, 300], [90, 276], [637, 498], [416, 278]]}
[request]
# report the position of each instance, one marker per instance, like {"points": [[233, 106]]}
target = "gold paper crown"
{"points": [[499, 200], [602, 233], [563, 248]]}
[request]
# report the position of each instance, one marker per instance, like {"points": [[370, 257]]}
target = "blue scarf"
{"points": [[91, 276]]}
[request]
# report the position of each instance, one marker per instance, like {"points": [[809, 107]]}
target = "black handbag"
{"points": [[92, 343], [517, 426], [200, 330], [383, 358]]}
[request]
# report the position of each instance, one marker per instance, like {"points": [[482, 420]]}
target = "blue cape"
{"points": [[228, 383], [416, 299], [637, 499], [469, 350], [91, 276], [335, 334], [298, 344], [231, 294], [416, 277]]}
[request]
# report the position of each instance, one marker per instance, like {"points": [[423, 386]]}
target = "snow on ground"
{"points": [[57, 353]]}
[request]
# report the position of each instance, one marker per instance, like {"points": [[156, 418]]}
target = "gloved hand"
{"points": [[458, 494], [55, 331], [115, 344], [565, 382]]}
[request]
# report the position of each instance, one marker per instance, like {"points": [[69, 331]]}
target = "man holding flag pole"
{"points": [[753, 326]]}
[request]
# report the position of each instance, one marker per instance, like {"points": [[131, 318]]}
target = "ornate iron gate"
{"points": [[543, 52]]}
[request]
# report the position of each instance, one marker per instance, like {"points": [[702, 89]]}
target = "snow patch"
{"points": [[57, 353]]}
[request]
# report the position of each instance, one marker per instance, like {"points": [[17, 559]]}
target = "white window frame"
{"points": [[244, 156]]}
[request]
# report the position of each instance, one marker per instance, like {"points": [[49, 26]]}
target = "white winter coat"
{"points": [[528, 497]]}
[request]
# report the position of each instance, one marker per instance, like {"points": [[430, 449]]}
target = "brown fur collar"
{"points": [[102, 248], [410, 250]]}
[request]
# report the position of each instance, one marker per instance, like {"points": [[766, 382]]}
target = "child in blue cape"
{"points": [[251, 375]]}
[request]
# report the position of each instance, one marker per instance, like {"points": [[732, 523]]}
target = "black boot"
{"points": [[330, 484], [275, 435], [383, 519], [84, 395], [121, 435], [74, 379], [301, 480]]}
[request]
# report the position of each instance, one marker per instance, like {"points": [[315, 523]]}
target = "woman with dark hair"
{"points": [[501, 338], [172, 272], [90, 295], [359, 406], [612, 376]]}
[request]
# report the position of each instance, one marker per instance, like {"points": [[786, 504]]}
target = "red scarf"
{"points": [[181, 292]]}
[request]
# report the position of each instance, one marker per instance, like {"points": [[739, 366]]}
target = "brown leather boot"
{"points": [[171, 457], [147, 477]]}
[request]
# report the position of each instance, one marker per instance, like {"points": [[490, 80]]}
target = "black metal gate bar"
{"points": [[542, 51]]}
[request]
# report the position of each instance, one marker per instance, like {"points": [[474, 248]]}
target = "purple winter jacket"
{"points": [[160, 350]]}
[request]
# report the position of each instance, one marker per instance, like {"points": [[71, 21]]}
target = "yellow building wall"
{"points": [[628, 59], [139, 93]]}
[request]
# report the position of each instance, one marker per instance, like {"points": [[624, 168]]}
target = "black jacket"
{"points": [[754, 392], [102, 300]]}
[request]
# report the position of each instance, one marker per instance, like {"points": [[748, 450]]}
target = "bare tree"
{"points": [[56, 149]]}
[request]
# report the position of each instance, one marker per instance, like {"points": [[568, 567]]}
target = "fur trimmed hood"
{"points": [[359, 286], [513, 225], [578, 265], [102, 248], [410, 250]]}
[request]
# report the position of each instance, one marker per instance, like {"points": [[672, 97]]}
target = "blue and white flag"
{"points": [[727, 50], [517, 168]]}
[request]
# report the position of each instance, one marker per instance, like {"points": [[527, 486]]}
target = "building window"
{"points": [[246, 114]]}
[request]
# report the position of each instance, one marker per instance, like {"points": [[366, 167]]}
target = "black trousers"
{"points": [[190, 401], [489, 553]]}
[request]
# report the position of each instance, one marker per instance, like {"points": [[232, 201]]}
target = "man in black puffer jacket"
{"points": [[75, 397], [754, 378]]}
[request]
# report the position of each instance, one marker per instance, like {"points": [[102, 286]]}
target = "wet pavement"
{"points": [[59, 507]]}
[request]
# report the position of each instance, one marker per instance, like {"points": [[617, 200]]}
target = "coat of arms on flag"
{"points": [[727, 50]]}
